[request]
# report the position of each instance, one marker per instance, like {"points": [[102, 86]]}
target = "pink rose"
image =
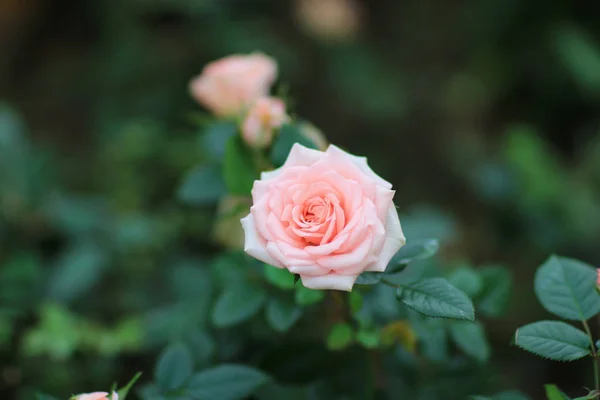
{"points": [[230, 85], [266, 114], [96, 396], [325, 216]]}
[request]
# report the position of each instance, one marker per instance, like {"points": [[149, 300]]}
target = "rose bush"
{"points": [[325, 216]]}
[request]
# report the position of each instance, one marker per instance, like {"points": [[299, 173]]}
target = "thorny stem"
{"points": [[594, 355]]}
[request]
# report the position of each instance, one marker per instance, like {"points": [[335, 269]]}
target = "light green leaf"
{"points": [[356, 301], [202, 185], [175, 366], [226, 382], [466, 279], [288, 135], [368, 278], [554, 393], [236, 304], [567, 288], [412, 251], [281, 316], [306, 297], [495, 296], [436, 297], [239, 170], [470, 338], [554, 340], [340, 336], [368, 338], [124, 391], [279, 277]]}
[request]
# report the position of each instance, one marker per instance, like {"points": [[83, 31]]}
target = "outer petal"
{"points": [[393, 242], [92, 396], [361, 162], [303, 156], [254, 244], [330, 281]]}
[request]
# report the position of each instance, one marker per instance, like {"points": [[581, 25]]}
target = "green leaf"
{"points": [[279, 277], [466, 279], [124, 391], [436, 297], [554, 393], [368, 338], [413, 251], [581, 57], [214, 139], [567, 288], [281, 316], [236, 304], [202, 185], [356, 301], [77, 270], [340, 336], [42, 396], [239, 170], [495, 296], [305, 296], [175, 366], [554, 340], [510, 395], [470, 338], [288, 135], [226, 382], [368, 278], [202, 346]]}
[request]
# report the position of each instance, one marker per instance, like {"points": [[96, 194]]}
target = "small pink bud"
{"points": [[96, 396], [267, 114], [598, 279]]}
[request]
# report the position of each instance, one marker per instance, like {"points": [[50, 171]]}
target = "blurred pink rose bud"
{"points": [[230, 85], [325, 216], [598, 279], [267, 114], [96, 396]]}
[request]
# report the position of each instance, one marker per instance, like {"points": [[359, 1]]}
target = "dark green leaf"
{"points": [[226, 382], [202, 346], [567, 288], [203, 185], [239, 170], [368, 278], [412, 251], [236, 304], [41, 396], [466, 279], [340, 336], [470, 338], [554, 340], [77, 270], [306, 297], [288, 135], [214, 138], [497, 289], [281, 316], [175, 366], [435, 297]]}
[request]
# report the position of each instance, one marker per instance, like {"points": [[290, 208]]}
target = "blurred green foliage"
{"points": [[482, 113]]}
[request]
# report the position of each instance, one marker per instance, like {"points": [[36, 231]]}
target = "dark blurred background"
{"points": [[483, 114]]}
